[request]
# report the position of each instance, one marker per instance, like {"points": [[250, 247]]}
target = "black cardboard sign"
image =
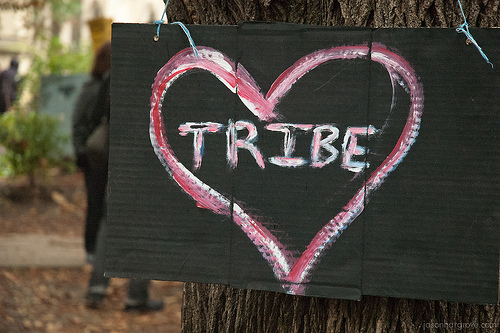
{"points": [[334, 162]]}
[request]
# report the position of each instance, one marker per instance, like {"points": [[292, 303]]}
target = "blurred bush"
{"points": [[33, 145]]}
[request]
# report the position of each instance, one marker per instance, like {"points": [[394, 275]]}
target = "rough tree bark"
{"points": [[218, 308], [365, 13]]}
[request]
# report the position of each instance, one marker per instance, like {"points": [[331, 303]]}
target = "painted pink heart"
{"points": [[291, 271]]}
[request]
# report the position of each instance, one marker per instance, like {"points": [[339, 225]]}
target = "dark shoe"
{"points": [[147, 306], [94, 300]]}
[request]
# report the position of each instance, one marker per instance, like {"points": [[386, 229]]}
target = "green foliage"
{"points": [[62, 59], [33, 144], [49, 55], [54, 58], [63, 10]]}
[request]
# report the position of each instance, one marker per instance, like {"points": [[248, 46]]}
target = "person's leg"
{"points": [[98, 283], [138, 290], [95, 183], [138, 297]]}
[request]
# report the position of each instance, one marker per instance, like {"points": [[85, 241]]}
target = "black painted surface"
{"points": [[430, 231]]}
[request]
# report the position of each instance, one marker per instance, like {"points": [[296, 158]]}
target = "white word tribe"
{"points": [[322, 152]]}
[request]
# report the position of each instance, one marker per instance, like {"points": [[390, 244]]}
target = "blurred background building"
{"points": [[70, 20]]}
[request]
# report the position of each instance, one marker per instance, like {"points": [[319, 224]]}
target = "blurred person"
{"points": [[90, 109], [90, 119], [8, 86]]}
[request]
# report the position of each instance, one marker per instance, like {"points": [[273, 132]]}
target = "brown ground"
{"points": [[52, 300]]}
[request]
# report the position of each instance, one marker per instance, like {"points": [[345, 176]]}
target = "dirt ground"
{"points": [[52, 300]]}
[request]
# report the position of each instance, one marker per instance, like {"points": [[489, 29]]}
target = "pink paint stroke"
{"points": [[224, 69], [291, 271]]}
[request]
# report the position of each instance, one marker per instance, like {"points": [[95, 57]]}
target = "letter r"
{"points": [[233, 143]]}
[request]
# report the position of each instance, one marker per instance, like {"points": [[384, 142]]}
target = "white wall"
{"points": [[131, 11], [15, 39]]}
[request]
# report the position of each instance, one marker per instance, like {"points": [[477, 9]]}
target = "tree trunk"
{"points": [[361, 13], [218, 308]]}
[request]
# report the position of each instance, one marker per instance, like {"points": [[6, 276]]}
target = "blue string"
{"points": [[464, 28], [191, 41], [161, 21], [186, 31]]}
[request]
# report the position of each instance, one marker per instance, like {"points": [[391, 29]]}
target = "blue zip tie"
{"points": [[186, 31], [464, 29]]}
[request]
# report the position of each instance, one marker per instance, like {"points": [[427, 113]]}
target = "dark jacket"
{"points": [[92, 105]]}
